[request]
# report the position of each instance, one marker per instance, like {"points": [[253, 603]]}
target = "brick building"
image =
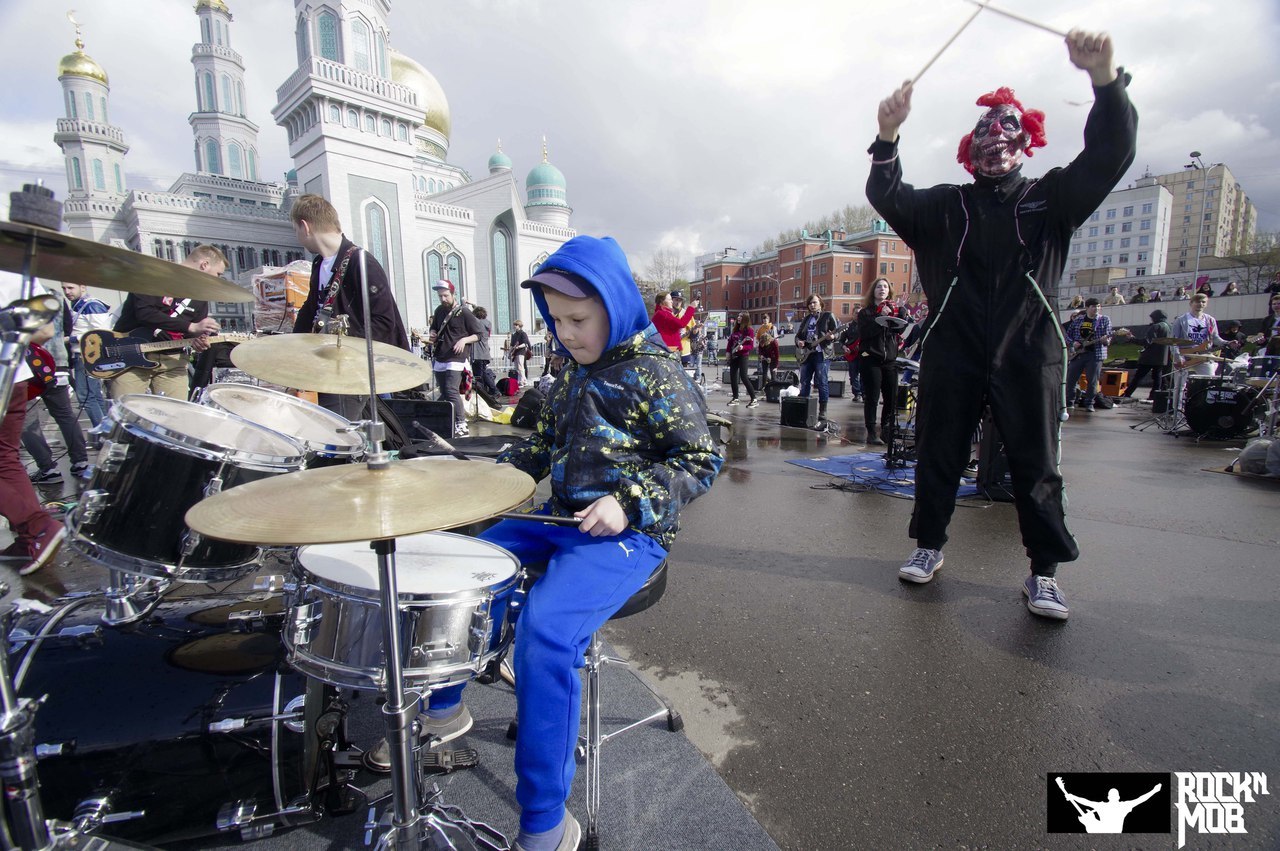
{"points": [[839, 267]]}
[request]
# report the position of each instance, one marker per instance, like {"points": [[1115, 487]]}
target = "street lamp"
{"points": [[777, 302], [1197, 163]]}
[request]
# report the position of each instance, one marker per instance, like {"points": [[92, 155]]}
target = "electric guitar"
{"points": [[108, 353], [1121, 333]]}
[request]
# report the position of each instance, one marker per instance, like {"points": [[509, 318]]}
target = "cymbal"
{"points": [[328, 363], [62, 257], [1205, 356], [1173, 341], [892, 322], [352, 502]]}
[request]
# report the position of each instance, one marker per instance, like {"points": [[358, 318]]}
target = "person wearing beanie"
{"points": [[1153, 360]]}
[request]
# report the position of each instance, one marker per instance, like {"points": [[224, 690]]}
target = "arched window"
{"points": [[76, 177], [353, 118], [212, 161], [384, 129], [119, 180], [88, 106], [205, 35], [360, 46], [335, 114], [239, 98], [99, 179], [453, 265], [300, 36], [377, 239], [504, 300], [402, 133], [210, 103], [103, 102], [381, 46], [431, 185], [234, 162], [370, 124], [435, 271], [71, 105], [253, 164], [218, 32], [327, 32], [228, 105]]}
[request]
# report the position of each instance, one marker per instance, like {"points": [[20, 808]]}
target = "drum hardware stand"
{"points": [[23, 812], [131, 598]]}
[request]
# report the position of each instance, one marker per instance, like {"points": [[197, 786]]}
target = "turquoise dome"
{"points": [[291, 176], [499, 160], [545, 174]]}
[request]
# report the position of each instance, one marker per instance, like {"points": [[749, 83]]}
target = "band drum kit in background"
{"points": [[1245, 397], [158, 709]]}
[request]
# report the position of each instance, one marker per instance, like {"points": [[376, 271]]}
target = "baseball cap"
{"points": [[562, 282], [443, 284]]}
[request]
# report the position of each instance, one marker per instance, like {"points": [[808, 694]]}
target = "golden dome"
{"points": [[78, 64], [407, 72], [216, 5]]}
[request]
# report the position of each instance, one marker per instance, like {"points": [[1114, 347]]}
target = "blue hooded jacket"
{"points": [[630, 425]]}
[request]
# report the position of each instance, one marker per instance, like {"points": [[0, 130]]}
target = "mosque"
{"points": [[368, 128]]}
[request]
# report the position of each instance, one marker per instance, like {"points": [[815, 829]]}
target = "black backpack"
{"points": [[528, 408]]}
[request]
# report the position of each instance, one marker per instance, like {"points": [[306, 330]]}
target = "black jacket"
{"points": [[879, 344], [154, 316], [383, 313], [451, 326]]}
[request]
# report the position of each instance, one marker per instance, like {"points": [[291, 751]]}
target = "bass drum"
{"points": [[190, 718], [1216, 409]]}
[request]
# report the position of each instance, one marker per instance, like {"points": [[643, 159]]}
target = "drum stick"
{"points": [[541, 518], [982, 4], [1016, 17]]}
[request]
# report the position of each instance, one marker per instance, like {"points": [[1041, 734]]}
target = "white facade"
{"points": [[1129, 231], [368, 128]]}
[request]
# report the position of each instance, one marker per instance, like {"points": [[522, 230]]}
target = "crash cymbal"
{"points": [[352, 502], [1205, 356], [62, 257], [1173, 341], [891, 322], [328, 363]]}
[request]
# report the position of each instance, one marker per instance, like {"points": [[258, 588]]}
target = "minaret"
{"points": [[499, 162], [226, 142], [94, 148]]}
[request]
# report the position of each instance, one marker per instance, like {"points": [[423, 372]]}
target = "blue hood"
{"points": [[601, 263]]}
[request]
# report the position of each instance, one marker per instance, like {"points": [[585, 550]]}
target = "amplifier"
{"points": [[434, 415], [773, 390], [835, 388], [800, 411]]}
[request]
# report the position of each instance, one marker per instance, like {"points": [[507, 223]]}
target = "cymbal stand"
{"points": [[23, 813]]}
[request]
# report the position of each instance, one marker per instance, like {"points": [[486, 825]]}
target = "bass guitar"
{"points": [[106, 354]]}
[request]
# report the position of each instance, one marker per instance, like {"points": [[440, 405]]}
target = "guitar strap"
{"points": [[335, 280]]}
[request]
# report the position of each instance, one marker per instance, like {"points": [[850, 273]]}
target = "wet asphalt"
{"points": [[849, 710]]}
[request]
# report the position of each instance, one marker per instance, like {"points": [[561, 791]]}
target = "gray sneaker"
{"points": [[922, 565], [1044, 598], [378, 758]]}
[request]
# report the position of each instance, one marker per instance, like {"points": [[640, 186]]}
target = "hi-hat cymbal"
{"points": [[1173, 341], [353, 502], [62, 257], [327, 363], [892, 322]]}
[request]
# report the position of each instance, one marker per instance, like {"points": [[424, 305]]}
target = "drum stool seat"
{"points": [[589, 745]]}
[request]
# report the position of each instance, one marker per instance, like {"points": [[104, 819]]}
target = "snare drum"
{"points": [[454, 595], [163, 456], [190, 719], [324, 434]]}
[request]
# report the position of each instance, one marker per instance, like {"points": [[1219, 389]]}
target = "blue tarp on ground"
{"points": [[868, 468]]}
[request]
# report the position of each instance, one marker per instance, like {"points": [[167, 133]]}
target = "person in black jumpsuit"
{"points": [[990, 255]]}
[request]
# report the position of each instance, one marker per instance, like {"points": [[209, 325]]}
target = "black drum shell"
{"points": [[133, 710], [1214, 408]]}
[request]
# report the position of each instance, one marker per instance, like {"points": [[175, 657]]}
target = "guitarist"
{"points": [[163, 318], [814, 336], [1088, 335]]}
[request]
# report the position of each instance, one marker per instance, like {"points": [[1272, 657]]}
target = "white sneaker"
{"points": [[461, 430], [754, 403], [1044, 597]]}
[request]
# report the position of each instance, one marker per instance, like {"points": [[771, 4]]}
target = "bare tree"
{"points": [[666, 267], [1261, 264], [851, 219]]}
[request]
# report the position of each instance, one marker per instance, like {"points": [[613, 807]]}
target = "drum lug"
{"points": [[112, 456], [481, 628], [305, 616], [214, 486], [92, 504], [92, 813], [233, 816], [271, 584]]}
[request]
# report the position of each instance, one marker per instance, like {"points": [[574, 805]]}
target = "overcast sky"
{"points": [[696, 124]]}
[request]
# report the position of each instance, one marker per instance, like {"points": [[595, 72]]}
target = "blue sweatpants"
{"points": [[587, 580]]}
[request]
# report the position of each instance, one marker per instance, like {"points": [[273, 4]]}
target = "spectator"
{"points": [[1205, 290], [1155, 295], [1232, 289], [666, 321], [517, 348], [1076, 303], [481, 354], [1180, 294], [1114, 298], [87, 314], [1140, 297]]}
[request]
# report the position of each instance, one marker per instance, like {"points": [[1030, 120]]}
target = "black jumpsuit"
{"points": [[990, 255]]}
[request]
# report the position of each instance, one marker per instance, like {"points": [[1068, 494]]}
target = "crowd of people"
{"points": [[1141, 295]]}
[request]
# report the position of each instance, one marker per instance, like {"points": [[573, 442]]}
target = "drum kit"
{"points": [[233, 719], [1243, 398]]}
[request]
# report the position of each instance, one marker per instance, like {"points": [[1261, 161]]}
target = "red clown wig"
{"points": [[1032, 124]]}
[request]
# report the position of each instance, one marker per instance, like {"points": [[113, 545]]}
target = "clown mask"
{"points": [[998, 141]]}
